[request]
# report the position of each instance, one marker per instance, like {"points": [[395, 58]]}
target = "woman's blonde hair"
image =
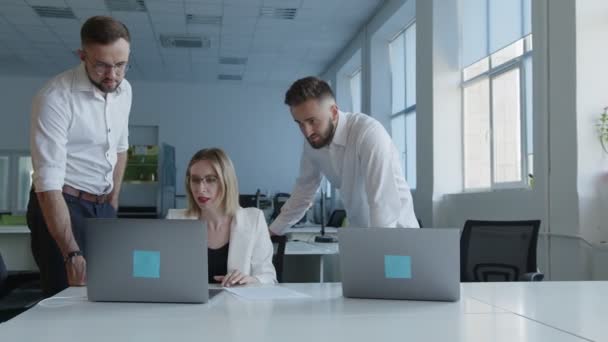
{"points": [[229, 188]]}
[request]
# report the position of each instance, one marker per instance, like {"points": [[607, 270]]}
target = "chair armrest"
{"points": [[532, 276]]}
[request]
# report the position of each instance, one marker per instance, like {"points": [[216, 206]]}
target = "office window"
{"points": [[497, 118], [15, 180], [4, 162], [355, 91], [402, 54], [24, 181]]}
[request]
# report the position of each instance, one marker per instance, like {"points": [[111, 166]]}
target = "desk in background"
{"points": [[304, 258], [325, 316], [320, 251], [15, 248]]}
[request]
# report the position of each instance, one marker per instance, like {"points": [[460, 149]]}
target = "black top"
{"points": [[218, 262]]}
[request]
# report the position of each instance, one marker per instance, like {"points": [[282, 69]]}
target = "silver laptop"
{"points": [[400, 263], [146, 260]]}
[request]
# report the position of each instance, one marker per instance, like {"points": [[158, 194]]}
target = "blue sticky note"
{"points": [[146, 264], [397, 267]]}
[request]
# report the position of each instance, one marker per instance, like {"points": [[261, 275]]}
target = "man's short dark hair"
{"points": [[103, 30], [306, 89]]}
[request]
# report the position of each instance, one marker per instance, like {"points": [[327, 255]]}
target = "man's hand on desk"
{"points": [[76, 270], [235, 277]]}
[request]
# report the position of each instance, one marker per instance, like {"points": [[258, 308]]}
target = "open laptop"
{"points": [[400, 263], [147, 260]]}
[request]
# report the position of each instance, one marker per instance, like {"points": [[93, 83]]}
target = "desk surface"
{"points": [[310, 248], [577, 307], [310, 229], [14, 229], [325, 316]]}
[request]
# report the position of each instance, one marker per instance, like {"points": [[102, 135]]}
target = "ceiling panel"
{"points": [[204, 8], [54, 3], [89, 4], [276, 49], [85, 13], [36, 33], [165, 6]]}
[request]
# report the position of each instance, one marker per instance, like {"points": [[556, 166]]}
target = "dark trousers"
{"points": [[45, 250]]}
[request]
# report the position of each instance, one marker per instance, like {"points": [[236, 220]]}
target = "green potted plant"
{"points": [[603, 129]]}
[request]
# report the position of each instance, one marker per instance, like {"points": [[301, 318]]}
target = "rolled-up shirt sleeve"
{"points": [[50, 122], [123, 142]]}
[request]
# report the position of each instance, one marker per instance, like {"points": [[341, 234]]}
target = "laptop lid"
{"points": [[146, 260], [400, 263]]}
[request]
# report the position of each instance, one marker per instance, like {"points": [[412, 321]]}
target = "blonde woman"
{"points": [[239, 247]]}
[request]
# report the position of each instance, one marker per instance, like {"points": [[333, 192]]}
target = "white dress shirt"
{"points": [[250, 250], [363, 163], [76, 133]]}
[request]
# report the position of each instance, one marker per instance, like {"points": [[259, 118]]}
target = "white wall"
{"points": [[564, 254], [249, 122], [591, 98], [440, 107], [16, 98]]}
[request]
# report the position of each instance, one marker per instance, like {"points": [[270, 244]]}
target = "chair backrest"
{"points": [[278, 242], [3, 272], [498, 250], [248, 201], [277, 203], [336, 218]]}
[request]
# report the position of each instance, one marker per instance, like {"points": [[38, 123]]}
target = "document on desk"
{"points": [[266, 293]]}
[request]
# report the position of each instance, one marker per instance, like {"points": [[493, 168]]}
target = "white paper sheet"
{"points": [[266, 293]]}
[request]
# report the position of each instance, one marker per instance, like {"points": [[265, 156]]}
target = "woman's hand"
{"points": [[235, 277]]}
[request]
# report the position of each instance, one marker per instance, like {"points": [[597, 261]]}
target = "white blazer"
{"points": [[250, 249]]}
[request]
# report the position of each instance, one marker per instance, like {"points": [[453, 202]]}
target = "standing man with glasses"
{"points": [[79, 141]]}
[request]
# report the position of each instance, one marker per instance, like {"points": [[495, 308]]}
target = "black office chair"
{"points": [[248, 201], [279, 242], [336, 218], [277, 203], [499, 251], [19, 291]]}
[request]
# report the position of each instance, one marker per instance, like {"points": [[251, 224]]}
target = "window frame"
{"points": [[491, 74], [358, 72], [13, 177], [411, 110]]}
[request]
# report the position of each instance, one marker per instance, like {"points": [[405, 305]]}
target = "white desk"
{"points": [[312, 248], [14, 230], [304, 235], [577, 307], [310, 229], [326, 316], [15, 248]]}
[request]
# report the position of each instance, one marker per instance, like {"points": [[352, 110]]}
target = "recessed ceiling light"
{"points": [[54, 12], [279, 13]]}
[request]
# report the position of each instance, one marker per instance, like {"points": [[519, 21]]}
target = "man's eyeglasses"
{"points": [[102, 68]]}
